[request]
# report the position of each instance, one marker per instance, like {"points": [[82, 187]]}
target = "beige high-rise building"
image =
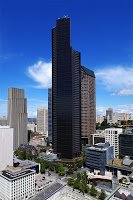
{"points": [[42, 120], [88, 104], [17, 116]]}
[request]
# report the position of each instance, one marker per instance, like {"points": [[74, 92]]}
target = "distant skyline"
{"points": [[101, 30]]}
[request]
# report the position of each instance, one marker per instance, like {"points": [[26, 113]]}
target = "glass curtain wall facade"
{"points": [[66, 94], [50, 114], [126, 145]]}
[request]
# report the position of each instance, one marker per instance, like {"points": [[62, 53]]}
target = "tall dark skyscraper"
{"points": [[66, 93], [50, 114]]}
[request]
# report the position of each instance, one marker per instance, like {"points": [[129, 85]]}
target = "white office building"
{"points": [[42, 121], [6, 147], [16, 183], [112, 136]]}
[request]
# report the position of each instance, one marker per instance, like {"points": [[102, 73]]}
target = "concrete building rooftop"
{"points": [[25, 164], [120, 194], [13, 169], [99, 146], [127, 161], [1, 127], [88, 71], [113, 128], [13, 173]]}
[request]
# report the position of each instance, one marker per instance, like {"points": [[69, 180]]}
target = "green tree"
{"points": [[79, 176], [69, 171], [104, 125], [38, 160], [102, 195], [87, 188], [70, 181], [93, 191], [85, 177], [46, 164], [80, 183], [22, 155], [61, 170], [81, 187], [74, 167], [76, 184], [42, 170], [79, 163], [51, 167], [98, 126], [16, 152], [57, 168], [29, 156]]}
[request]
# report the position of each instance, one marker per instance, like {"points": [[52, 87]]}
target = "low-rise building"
{"points": [[38, 140], [16, 183], [127, 162], [98, 155], [120, 193]]}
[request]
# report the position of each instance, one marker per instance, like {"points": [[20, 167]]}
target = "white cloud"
{"points": [[118, 80], [126, 108], [123, 92], [101, 110], [41, 72]]}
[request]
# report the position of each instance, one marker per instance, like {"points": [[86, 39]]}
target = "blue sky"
{"points": [[101, 30]]}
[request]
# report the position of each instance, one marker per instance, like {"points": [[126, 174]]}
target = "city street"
{"points": [[48, 192]]}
